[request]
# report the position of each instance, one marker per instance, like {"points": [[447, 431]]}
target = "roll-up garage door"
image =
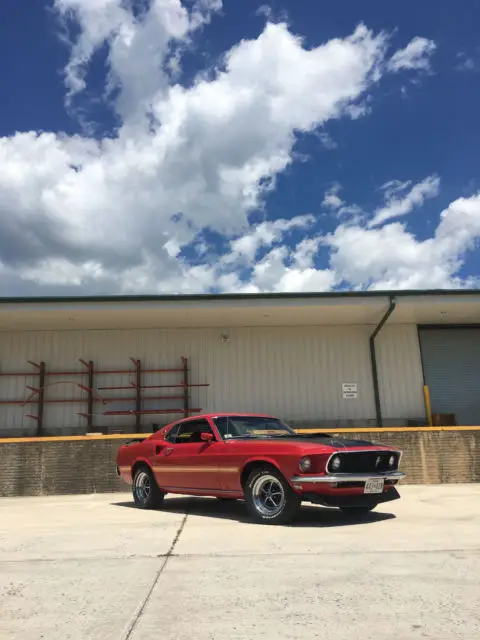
{"points": [[451, 365]]}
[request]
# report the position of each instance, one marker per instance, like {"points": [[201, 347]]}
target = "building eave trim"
{"points": [[232, 297]]}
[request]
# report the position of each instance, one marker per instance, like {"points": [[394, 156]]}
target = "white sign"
{"points": [[349, 390]]}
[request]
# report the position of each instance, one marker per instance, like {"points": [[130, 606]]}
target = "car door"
{"points": [[188, 462]]}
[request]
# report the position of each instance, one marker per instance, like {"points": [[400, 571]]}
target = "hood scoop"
{"points": [[332, 441]]}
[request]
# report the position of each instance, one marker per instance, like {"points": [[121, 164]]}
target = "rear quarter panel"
{"points": [[142, 451]]}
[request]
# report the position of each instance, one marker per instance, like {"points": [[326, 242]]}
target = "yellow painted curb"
{"points": [[101, 436], [387, 429], [131, 436]]}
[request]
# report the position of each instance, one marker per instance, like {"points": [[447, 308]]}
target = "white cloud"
{"points": [[327, 141], [331, 199], [351, 214], [390, 257], [140, 48], [416, 55], [117, 211], [113, 214], [282, 270], [264, 235], [465, 62], [356, 111], [348, 213], [393, 187], [400, 206], [271, 14]]}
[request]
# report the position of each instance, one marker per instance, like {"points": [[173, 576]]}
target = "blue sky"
{"points": [[154, 132]]}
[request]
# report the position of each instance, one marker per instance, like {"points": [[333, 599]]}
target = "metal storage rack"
{"points": [[42, 374]]}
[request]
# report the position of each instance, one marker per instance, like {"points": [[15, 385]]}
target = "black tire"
{"points": [[358, 512], [145, 490], [257, 486]]}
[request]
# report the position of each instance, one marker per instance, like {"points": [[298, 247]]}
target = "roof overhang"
{"points": [[223, 311]]}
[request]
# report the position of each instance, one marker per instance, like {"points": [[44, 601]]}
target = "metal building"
{"points": [[327, 360]]}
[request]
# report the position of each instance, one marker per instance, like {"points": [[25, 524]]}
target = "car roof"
{"points": [[204, 416], [238, 414]]}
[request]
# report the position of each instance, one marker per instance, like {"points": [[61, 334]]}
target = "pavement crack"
{"points": [[177, 536], [166, 558]]}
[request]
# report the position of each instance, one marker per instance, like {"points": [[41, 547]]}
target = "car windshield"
{"points": [[252, 427]]}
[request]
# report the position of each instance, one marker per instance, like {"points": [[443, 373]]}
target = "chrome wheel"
{"points": [[268, 495], [143, 486]]}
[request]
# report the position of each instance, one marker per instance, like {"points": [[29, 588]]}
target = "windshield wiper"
{"points": [[317, 434], [285, 435], [246, 436]]}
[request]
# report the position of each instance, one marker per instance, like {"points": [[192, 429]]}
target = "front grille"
{"points": [[364, 462]]}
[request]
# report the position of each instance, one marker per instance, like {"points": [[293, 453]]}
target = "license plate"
{"points": [[374, 485]]}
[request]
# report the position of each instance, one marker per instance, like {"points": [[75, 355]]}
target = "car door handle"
{"points": [[167, 452]]}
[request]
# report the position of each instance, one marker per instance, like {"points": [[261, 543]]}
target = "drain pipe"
{"points": [[373, 357]]}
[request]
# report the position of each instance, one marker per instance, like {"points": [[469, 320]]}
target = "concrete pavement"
{"points": [[94, 567]]}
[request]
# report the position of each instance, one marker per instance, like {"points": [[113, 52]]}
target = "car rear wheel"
{"points": [[269, 497], [146, 493]]}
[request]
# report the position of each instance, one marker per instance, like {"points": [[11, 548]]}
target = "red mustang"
{"points": [[262, 460]]}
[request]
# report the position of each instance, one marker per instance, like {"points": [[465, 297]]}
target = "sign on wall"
{"points": [[349, 390]]}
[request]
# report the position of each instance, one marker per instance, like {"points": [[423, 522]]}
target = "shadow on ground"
{"points": [[309, 516]]}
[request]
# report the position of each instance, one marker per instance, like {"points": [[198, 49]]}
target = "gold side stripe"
{"points": [[199, 469], [127, 468]]}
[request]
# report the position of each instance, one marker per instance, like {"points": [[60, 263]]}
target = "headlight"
{"points": [[335, 463], [391, 461], [305, 464]]}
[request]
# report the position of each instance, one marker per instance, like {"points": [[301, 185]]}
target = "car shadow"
{"points": [[309, 515]]}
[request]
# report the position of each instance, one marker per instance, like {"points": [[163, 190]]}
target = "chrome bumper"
{"points": [[347, 477]]}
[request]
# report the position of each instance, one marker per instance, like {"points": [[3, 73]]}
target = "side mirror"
{"points": [[206, 437]]}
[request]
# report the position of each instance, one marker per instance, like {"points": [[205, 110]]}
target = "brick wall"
{"points": [[68, 467], [88, 466]]}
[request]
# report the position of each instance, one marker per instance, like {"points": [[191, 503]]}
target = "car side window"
{"points": [[172, 434], [191, 431]]}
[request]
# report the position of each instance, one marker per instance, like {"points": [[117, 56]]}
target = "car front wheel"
{"points": [[146, 493], [269, 497]]}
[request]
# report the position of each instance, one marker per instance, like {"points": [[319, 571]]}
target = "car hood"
{"points": [[329, 441], [313, 442]]}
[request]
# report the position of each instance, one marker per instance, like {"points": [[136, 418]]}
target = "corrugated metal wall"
{"points": [[451, 360], [400, 373], [296, 373]]}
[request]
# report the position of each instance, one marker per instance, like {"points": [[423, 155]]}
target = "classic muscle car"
{"points": [[262, 460]]}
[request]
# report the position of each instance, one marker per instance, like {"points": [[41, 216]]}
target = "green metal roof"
{"points": [[239, 296]]}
